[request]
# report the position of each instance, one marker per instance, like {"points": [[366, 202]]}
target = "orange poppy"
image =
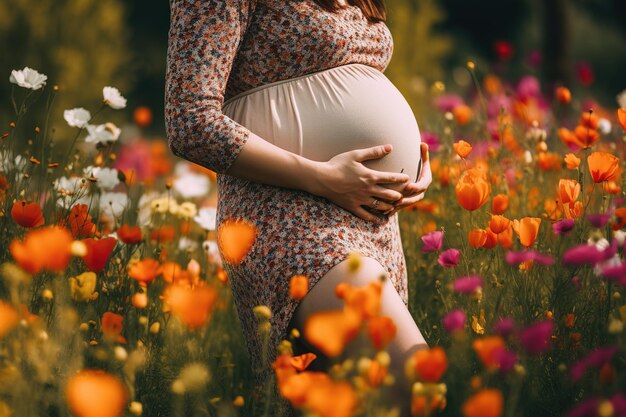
{"points": [[142, 116], [363, 300], [98, 252], [462, 148], [330, 331], [301, 362], [462, 114], [145, 271], [429, 364], [298, 286], [491, 239], [568, 190], [80, 221], [499, 224], [571, 161], [191, 305], [505, 239], [95, 393], [129, 234], [8, 318], [563, 95], [611, 187], [500, 203], [172, 271], [27, 214], [603, 166], [381, 330], [477, 238], [375, 373], [586, 136], [332, 399], [572, 210], [589, 119], [549, 161], [235, 238], [568, 138], [472, 191], [621, 116], [620, 217], [487, 402], [112, 326], [165, 233], [527, 229], [44, 248], [485, 348]]}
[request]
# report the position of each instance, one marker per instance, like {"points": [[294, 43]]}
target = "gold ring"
{"points": [[375, 203]]}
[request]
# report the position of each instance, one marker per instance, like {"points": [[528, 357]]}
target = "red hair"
{"points": [[374, 10]]}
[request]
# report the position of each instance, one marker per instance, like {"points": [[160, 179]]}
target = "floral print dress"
{"points": [[220, 48]]}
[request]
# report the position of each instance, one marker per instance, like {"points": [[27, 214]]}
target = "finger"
{"points": [[424, 151], [384, 193], [383, 177], [366, 215], [412, 195], [374, 152], [382, 206]]}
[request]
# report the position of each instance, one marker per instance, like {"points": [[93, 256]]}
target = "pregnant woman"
{"points": [[287, 102]]}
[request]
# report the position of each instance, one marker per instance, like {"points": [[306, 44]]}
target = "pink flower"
{"points": [[446, 102], [615, 272], [468, 284], [588, 254], [528, 87], [585, 73], [597, 358], [432, 140], [505, 358], [563, 227], [504, 327], [536, 337], [454, 320], [515, 258], [449, 257], [432, 241]]}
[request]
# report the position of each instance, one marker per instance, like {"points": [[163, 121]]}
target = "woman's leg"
{"points": [[408, 337]]}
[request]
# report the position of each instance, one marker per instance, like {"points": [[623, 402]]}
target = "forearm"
{"points": [[261, 161]]}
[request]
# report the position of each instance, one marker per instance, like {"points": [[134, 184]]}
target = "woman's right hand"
{"points": [[345, 181]]}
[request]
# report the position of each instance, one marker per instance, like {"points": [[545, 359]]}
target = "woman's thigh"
{"points": [[322, 298]]}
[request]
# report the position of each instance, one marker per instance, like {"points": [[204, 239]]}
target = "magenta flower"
{"points": [[588, 254], [534, 58], [446, 102], [599, 220], [454, 320], [432, 140], [449, 257], [616, 273], [506, 359], [516, 258], [504, 326], [536, 337], [563, 227], [432, 241], [586, 408], [528, 87], [596, 359], [467, 284]]}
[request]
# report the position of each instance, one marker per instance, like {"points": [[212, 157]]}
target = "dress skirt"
{"points": [[300, 233]]}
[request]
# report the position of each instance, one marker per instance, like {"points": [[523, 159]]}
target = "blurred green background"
{"points": [[83, 45]]}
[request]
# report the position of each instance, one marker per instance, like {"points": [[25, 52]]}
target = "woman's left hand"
{"points": [[415, 190]]}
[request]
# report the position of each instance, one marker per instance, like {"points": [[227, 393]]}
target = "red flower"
{"points": [[27, 214], [98, 252]]}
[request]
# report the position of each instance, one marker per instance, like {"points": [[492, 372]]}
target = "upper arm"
{"points": [[204, 37]]}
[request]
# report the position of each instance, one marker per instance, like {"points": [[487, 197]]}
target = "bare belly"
{"points": [[333, 111]]}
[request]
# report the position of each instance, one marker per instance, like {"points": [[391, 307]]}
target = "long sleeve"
{"points": [[204, 36]]}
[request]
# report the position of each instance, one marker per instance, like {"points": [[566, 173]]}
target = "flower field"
{"points": [[114, 301]]}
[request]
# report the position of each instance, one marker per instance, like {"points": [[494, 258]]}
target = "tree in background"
{"points": [[81, 45]]}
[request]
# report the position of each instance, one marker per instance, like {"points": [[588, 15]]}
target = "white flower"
{"points": [[145, 207], [621, 99], [604, 126], [107, 132], [184, 243], [107, 177], [113, 203], [28, 78], [70, 185], [619, 235], [77, 117], [191, 185], [206, 218], [71, 191], [213, 252], [113, 98], [528, 157]]}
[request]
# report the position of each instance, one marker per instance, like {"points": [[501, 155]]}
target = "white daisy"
{"points": [[192, 185], [206, 218], [28, 78], [107, 132], [77, 117], [107, 177], [113, 203], [113, 98]]}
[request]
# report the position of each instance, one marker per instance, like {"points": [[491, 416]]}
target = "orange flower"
{"points": [[80, 222], [98, 252], [142, 116], [603, 166], [485, 348], [492, 84], [301, 362], [563, 95], [549, 161], [568, 138], [381, 330], [140, 300], [571, 161], [171, 271], [621, 116], [505, 239], [487, 402], [332, 399], [572, 210], [586, 136], [27, 214], [429, 364], [472, 191], [95, 393], [620, 217], [477, 238], [462, 114], [192, 305], [112, 326], [492, 239], [375, 373], [330, 331], [145, 271], [163, 233], [363, 300], [462, 148], [499, 224], [589, 119], [611, 187], [8, 318], [129, 234], [45, 248], [298, 286], [499, 204], [527, 228], [235, 238], [568, 190]]}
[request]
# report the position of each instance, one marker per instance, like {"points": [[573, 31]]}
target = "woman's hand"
{"points": [[414, 191], [345, 181]]}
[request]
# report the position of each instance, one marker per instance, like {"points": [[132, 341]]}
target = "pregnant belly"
{"points": [[333, 111]]}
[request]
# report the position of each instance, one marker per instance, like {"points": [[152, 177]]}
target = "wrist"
{"points": [[313, 174]]}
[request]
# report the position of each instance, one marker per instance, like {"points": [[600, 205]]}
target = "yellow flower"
{"points": [[187, 210], [83, 286]]}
